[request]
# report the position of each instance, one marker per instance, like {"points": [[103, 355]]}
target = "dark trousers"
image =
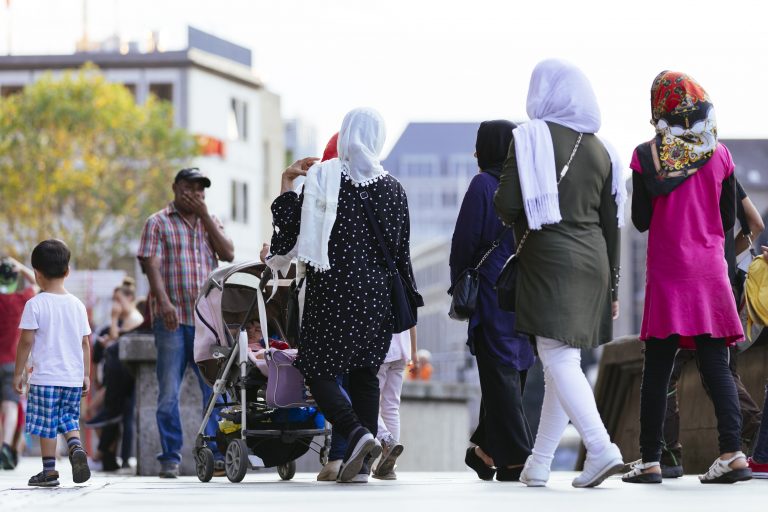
{"points": [[502, 432], [712, 355], [760, 453], [363, 392], [338, 442], [672, 449], [119, 399]]}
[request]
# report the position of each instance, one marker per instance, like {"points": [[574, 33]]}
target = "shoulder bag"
{"points": [[463, 292], [404, 298], [506, 284]]}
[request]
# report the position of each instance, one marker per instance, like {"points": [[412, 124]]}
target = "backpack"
{"points": [[756, 298]]}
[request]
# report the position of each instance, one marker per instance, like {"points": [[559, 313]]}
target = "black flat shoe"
{"points": [[508, 474], [483, 471]]}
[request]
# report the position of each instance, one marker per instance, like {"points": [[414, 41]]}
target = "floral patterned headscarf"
{"points": [[686, 128]]}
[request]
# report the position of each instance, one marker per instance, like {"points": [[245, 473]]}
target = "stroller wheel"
{"points": [[287, 470], [204, 464], [236, 461]]}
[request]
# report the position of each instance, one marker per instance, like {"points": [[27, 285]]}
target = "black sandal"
{"points": [[45, 479], [473, 460]]}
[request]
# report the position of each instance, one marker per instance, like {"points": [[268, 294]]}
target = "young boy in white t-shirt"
{"points": [[55, 330], [390, 375]]}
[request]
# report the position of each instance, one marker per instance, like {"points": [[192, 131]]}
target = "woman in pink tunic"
{"points": [[684, 195]]}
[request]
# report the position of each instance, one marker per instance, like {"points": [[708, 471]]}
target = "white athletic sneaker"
{"points": [[597, 469], [533, 474]]}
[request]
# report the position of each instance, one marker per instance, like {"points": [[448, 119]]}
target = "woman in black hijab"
{"points": [[503, 439]]}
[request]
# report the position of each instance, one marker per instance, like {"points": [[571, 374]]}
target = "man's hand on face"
{"points": [[195, 202]]}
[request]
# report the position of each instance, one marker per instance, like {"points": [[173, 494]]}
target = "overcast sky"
{"points": [[446, 60]]}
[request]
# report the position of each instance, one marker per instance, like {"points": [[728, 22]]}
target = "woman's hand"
{"points": [[765, 252], [298, 168], [615, 309]]}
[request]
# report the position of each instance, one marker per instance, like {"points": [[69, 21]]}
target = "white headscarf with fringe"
{"points": [[560, 93], [360, 142]]}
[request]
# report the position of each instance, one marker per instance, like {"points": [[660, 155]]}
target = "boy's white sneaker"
{"points": [[533, 474], [598, 468]]}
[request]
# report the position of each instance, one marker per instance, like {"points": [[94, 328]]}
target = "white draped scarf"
{"points": [[560, 93], [360, 142]]}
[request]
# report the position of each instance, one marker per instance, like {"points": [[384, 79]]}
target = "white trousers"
{"points": [[390, 385], [567, 395]]}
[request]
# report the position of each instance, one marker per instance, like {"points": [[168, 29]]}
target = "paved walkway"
{"points": [[413, 491]]}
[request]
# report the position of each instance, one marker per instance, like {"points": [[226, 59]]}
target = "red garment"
{"points": [[11, 307], [332, 148]]}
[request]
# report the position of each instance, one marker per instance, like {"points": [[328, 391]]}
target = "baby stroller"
{"points": [[268, 418]]}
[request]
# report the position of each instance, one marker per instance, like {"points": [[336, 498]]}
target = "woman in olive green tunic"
{"points": [[569, 263]]}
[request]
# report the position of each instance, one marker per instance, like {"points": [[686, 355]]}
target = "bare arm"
{"points": [[414, 348], [86, 365], [222, 244], [28, 273], [167, 309], [298, 168], [22, 355], [755, 225]]}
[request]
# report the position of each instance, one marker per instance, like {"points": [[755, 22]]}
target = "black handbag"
{"points": [[506, 284], [292, 317], [403, 296], [464, 290]]}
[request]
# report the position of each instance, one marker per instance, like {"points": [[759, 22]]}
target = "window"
{"points": [[240, 202], [162, 91], [8, 90], [462, 165], [450, 199], [266, 171], [238, 120], [419, 166], [424, 200]]}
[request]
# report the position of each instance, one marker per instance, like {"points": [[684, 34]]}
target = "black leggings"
{"points": [[712, 355], [363, 391]]}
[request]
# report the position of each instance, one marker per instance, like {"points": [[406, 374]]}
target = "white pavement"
{"points": [[425, 492]]}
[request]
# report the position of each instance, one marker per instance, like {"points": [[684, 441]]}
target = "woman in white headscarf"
{"points": [[563, 190], [346, 324]]}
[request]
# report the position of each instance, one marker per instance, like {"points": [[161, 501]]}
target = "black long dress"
{"points": [[347, 319]]}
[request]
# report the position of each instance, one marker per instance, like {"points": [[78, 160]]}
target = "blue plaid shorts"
{"points": [[53, 410]]}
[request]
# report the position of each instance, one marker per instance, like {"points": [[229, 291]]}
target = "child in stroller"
{"points": [[267, 417]]}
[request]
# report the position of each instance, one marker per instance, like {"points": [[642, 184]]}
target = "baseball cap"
{"points": [[192, 174]]}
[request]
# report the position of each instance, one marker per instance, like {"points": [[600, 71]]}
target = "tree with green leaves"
{"points": [[81, 161]]}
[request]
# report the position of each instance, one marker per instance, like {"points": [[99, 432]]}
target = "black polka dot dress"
{"points": [[347, 322]]}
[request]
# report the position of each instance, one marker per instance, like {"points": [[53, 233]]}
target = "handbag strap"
{"points": [[494, 245], [562, 175], [377, 231]]}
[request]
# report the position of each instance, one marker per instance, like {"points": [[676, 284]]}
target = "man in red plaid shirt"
{"points": [[180, 246]]}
